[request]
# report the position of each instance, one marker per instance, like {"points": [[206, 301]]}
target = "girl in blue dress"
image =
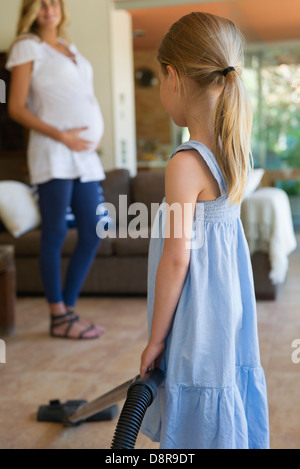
{"points": [[201, 300]]}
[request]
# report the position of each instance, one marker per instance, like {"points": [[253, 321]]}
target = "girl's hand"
{"points": [[73, 141], [150, 355]]}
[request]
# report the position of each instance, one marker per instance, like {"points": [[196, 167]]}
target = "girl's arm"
{"points": [[182, 187], [19, 89]]}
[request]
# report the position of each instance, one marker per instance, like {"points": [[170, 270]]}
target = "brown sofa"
{"points": [[120, 266]]}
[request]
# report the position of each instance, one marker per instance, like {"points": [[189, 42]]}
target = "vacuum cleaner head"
{"points": [[61, 412], [139, 393]]}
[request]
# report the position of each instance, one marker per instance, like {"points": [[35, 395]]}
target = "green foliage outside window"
{"points": [[272, 77]]}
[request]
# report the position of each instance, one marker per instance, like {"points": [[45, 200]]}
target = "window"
{"points": [[272, 78]]}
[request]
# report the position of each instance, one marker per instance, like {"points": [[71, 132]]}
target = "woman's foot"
{"points": [[85, 323], [70, 326]]}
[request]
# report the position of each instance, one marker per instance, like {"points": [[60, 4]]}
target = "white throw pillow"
{"points": [[254, 181], [19, 211]]}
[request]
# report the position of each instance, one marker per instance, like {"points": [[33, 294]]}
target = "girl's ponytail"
{"points": [[232, 124]]}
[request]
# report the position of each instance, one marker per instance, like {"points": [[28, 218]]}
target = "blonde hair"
{"points": [[200, 46], [27, 24]]}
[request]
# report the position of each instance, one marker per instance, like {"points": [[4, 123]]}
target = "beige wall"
{"points": [[123, 91], [90, 30], [8, 22], [152, 121]]}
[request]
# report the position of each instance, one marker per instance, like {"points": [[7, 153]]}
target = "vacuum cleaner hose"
{"points": [[139, 397]]}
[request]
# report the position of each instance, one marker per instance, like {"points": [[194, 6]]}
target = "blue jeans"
{"points": [[55, 197]]}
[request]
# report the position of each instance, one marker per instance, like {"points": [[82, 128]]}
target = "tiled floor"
{"points": [[39, 368], [279, 326]]}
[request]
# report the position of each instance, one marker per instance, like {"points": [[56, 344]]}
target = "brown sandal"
{"points": [[69, 318]]}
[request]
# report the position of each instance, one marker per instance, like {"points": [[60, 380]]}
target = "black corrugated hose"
{"points": [[140, 396]]}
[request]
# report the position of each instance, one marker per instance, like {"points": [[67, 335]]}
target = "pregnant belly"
{"points": [[81, 111], [91, 118]]}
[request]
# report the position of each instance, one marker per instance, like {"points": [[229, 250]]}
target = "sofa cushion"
{"points": [[19, 211], [29, 244], [148, 188], [117, 183], [133, 246]]}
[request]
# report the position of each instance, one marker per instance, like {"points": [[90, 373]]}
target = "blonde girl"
{"points": [[201, 301]]}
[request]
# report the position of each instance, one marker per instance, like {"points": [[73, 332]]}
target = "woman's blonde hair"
{"points": [[200, 46], [27, 24]]}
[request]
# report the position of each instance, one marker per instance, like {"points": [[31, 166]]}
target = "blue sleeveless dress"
{"points": [[214, 393]]}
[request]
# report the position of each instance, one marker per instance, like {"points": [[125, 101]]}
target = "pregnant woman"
{"points": [[52, 94]]}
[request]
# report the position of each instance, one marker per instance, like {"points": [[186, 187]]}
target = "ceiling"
{"points": [[259, 20]]}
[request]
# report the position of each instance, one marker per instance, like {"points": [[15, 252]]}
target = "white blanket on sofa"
{"points": [[268, 225]]}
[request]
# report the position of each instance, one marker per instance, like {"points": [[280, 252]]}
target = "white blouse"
{"points": [[62, 95]]}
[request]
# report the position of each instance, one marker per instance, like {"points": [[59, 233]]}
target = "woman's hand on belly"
{"points": [[73, 141]]}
